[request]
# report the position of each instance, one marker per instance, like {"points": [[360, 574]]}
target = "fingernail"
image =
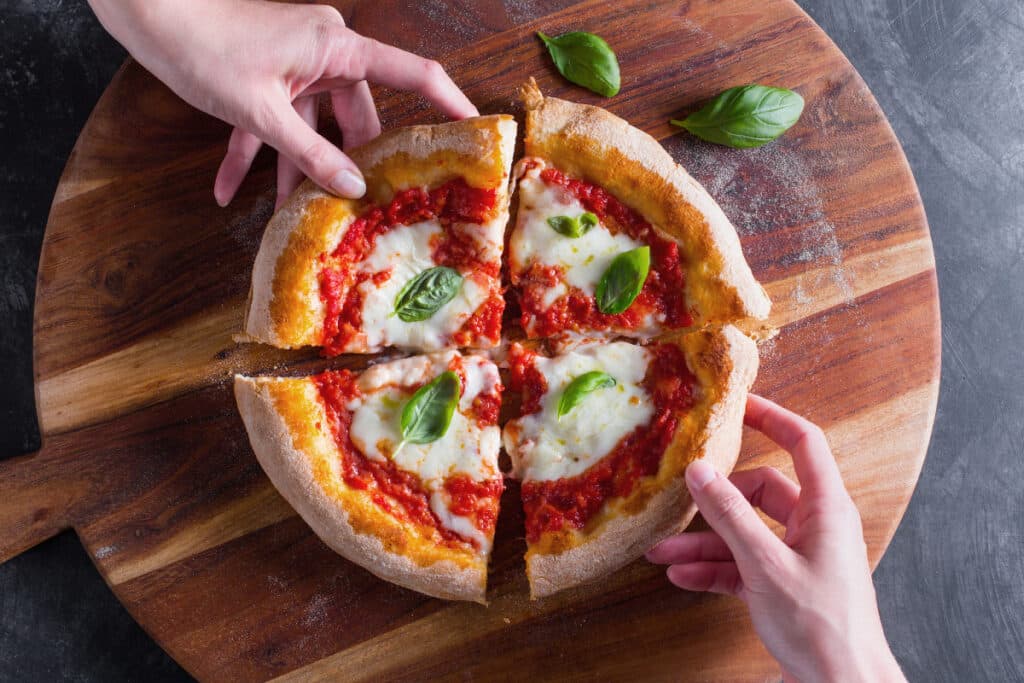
{"points": [[699, 474], [348, 184]]}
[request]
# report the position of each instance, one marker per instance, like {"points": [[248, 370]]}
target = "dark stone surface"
{"points": [[950, 76]]}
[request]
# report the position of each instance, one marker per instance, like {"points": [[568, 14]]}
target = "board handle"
{"points": [[37, 501]]}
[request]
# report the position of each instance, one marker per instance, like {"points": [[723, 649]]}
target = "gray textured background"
{"points": [[950, 76]]}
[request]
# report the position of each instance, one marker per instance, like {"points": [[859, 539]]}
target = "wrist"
{"points": [[867, 661]]}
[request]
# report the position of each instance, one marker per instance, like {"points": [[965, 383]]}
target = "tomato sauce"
{"points": [[402, 494], [572, 502], [452, 202], [662, 294]]}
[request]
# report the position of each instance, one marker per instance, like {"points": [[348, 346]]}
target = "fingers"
{"points": [[316, 157], [812, 458], [288, 174], [768, 489], [367, 59], [714, 577], [242, 149], [694, 546], [356, 114], [729, 514]]}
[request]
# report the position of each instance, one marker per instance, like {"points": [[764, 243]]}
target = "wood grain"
{"points": [[140, 288]]}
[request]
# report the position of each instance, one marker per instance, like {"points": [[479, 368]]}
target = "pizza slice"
{"points": [[613, 238], [603, 439], [414, 264], [395, 468]]}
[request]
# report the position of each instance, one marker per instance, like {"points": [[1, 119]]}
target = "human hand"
{"points": [[263, 67], [810, 594]]}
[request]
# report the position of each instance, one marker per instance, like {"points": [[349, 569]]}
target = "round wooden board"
{"points": [[142, 281]]}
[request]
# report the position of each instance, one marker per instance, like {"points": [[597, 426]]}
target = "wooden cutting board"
{"points": [[142, 281]]}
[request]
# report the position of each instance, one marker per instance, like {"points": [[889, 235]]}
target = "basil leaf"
{"points": [[622, 282], [581, 387], [427, 415], [745, 116], [426, 293], [573, 227], [585, 59]]}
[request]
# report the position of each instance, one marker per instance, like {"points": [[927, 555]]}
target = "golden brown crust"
{"points": [[725, 363], [281, 417], [591, 143], [284, 306]]}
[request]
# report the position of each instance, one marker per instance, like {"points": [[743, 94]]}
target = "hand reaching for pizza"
{"points": [[263, 67], [810, 594]]}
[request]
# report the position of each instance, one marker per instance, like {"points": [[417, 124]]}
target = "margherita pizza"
{"points": [[613, 238], [415, 264], [395, 468], [618, 257], [604, 436]]}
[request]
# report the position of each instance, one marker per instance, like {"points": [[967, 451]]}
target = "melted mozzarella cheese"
{"points": [[406, 250], [466, 448], [463, 526], [544, 447], [584, 259]]}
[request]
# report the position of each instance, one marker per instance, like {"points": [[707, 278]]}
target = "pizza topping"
{"points": [[406, 252], [428, 414], [548, 446], [423, 295], [451, 483], [381, 253], [558, 276], [583, 258], [581, 387], [622, 282], [554, 503], [573, 227]]}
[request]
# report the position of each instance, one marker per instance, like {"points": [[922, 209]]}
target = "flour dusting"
{"points": [[771, 190]]}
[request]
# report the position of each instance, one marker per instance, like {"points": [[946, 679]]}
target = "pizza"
{"points": [[414, 264], [625, 278], [613, 238], [417, 512], [603, 438]]}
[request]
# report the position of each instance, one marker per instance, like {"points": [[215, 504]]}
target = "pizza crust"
{"points": [[594, 144], [291, 470], [730, 359], [284, 307]]}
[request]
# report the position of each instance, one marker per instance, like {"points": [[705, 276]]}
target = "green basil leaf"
{"points": [[581, 387], [426, 293], [622, 282], [573, 227], [745, 116], [585, 59], [565, 225], [427, 415]]}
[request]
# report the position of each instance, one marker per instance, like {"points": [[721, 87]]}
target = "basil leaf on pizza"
{"points": [[585, 59], [622, 282], [580, 388], [745, 116], [573, 227], [425, 294], [427, 415]]}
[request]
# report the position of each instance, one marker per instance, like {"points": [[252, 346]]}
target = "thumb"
{"points": [[729, 513], [322, 162]]}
